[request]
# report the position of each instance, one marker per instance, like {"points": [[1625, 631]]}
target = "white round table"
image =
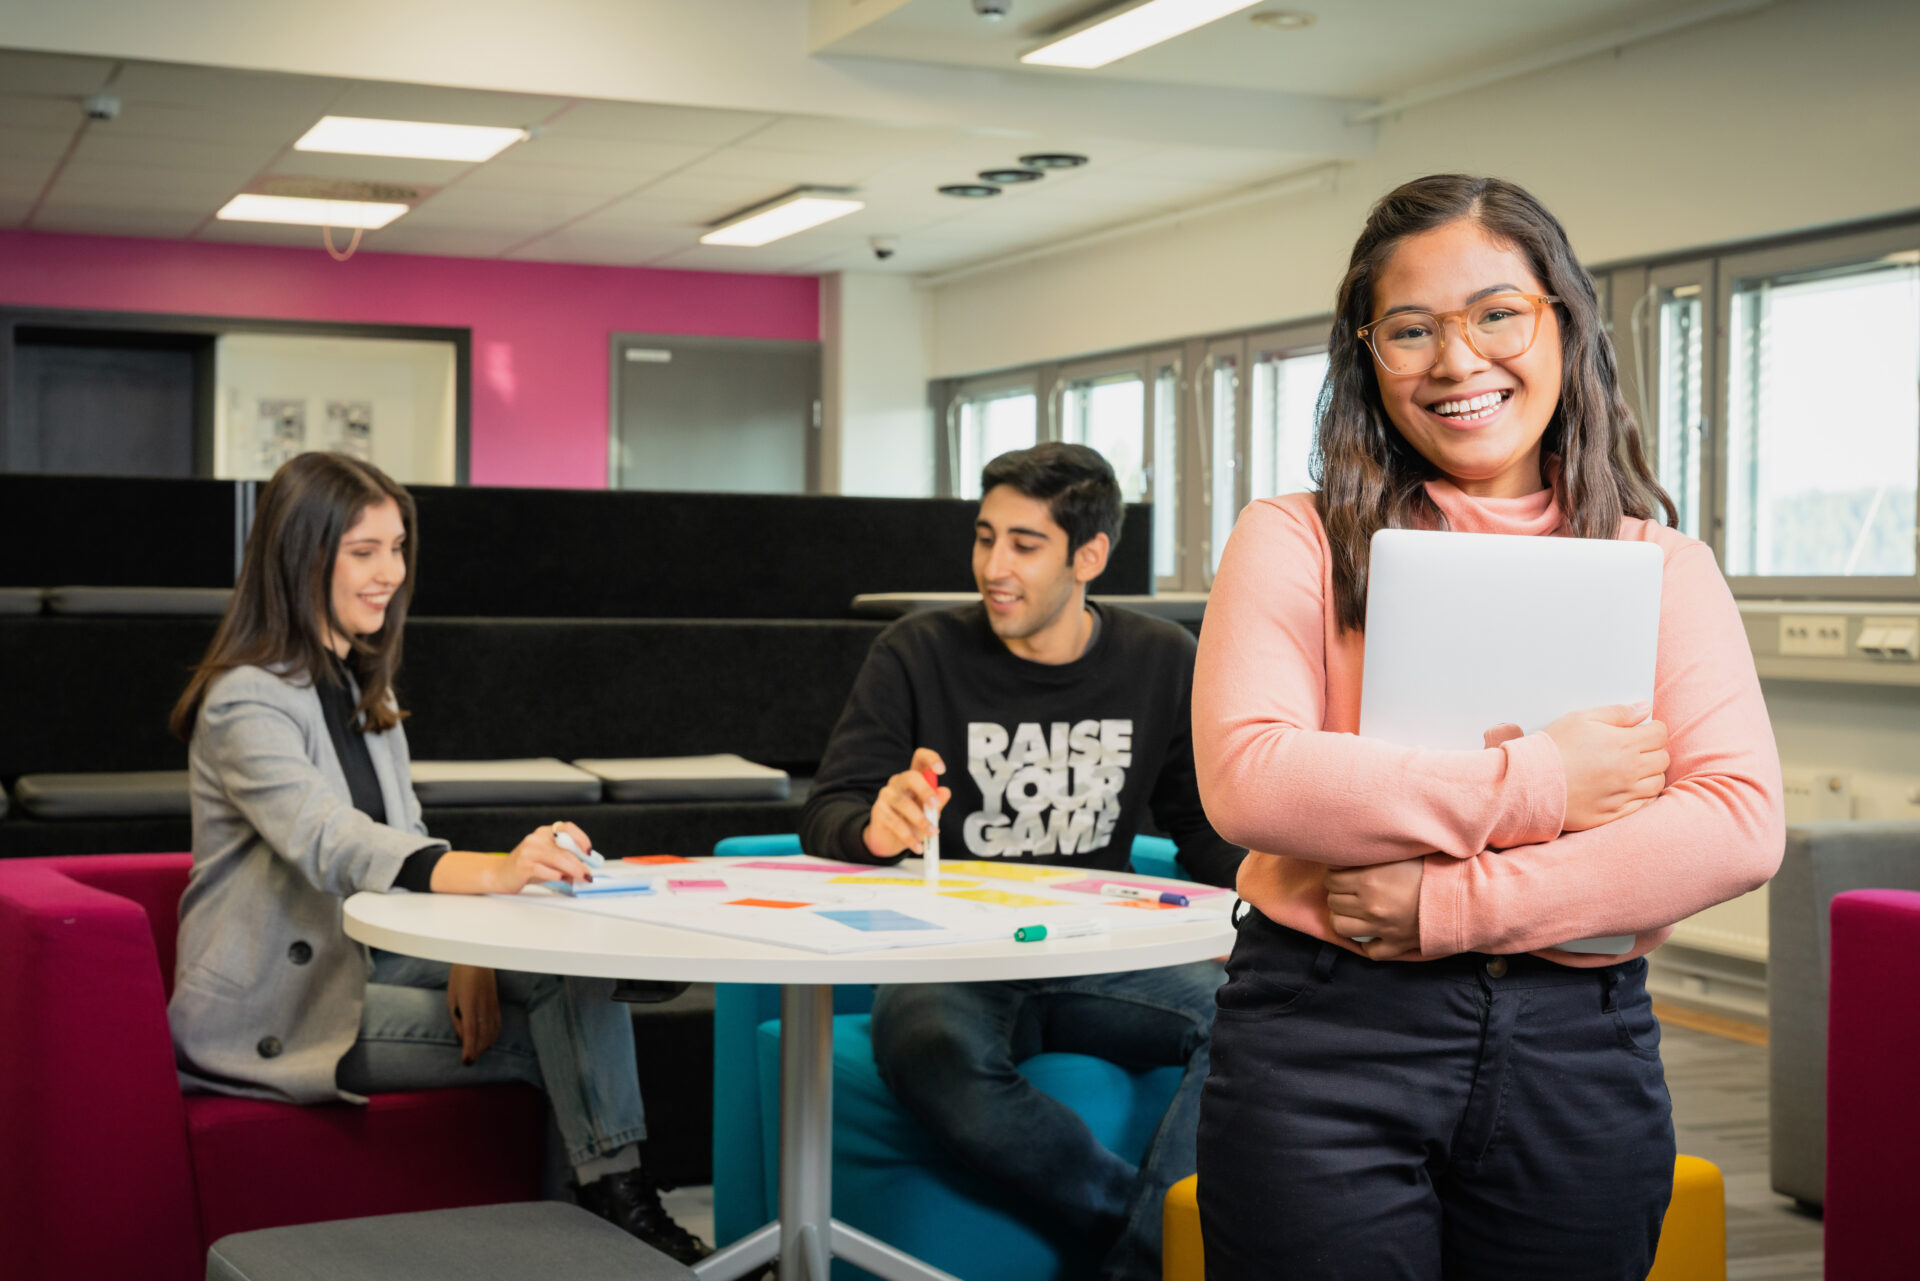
{"points": [[504, 934]]}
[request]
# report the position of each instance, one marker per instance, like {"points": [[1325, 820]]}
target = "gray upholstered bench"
{"points": [[140, 794], [1822, 860], [532, 1241], [541, 780], [200, 602], [22, 600], [722, 777]]}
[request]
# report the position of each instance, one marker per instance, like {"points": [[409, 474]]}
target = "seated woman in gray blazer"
{"points": [[302, 796]]}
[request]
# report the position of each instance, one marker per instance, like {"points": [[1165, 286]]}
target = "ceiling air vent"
{"points": [[340, 189]]}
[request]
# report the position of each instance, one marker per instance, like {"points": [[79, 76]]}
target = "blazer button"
{"points": [[269, 1047], [300, 953]]}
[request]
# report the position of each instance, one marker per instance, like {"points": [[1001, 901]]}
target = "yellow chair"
{"points": [[1693, 1239]]}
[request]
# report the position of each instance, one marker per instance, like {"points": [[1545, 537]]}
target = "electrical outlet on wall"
{"points": [[1813, 635]]}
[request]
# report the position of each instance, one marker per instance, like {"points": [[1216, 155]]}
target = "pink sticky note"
{"points": [[681, 887]]}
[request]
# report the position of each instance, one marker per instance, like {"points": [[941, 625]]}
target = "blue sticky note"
{"points": [[602, 886], [877, 919]]}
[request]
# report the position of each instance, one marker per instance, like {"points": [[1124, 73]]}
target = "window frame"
{"points": [[1302, 338], [1732, 269], [1008, 382]]}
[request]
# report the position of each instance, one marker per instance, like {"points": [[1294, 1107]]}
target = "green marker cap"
{"points": [[1029, 933]]}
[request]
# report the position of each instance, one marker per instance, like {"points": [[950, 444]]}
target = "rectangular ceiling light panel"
{"points": [[783, 217], [310, 213], [1130, 31], [411, 139]]}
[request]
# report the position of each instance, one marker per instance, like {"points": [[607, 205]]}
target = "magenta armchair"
{"points": [[108, 1172], [1873, 1108]]}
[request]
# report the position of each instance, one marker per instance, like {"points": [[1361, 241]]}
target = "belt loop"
{"points": [[1235, 915], [1323, 964], [1609, 980]]}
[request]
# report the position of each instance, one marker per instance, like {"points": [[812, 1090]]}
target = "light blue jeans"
{"points": [[566, 1036]]}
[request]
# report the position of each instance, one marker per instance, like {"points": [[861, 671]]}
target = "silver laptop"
{"points": [[1469, 631]]}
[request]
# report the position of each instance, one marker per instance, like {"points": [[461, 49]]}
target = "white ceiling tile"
{"points": [[25, 178], [648, 122], [54, 74], [765, 260], [202, 124], [392, 169], [684, 199], [631, 155], [138, 182], [533, 178], [218, 89], [13, 210], [446, 242], [53, 115], [533, 210], [32, 144], [104, 148], [850, 137], [444, 106], [632, 248], [794, 169], [116, 220]]}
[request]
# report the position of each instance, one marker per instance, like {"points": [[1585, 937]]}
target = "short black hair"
{"points": [[1075, 482]]}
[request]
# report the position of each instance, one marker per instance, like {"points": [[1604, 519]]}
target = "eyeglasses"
{"points": [[1496, 328]]}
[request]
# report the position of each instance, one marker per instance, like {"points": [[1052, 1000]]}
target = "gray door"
{"points": [[732, 415]]}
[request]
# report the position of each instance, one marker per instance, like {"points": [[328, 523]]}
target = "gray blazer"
{"points": [[268, 988]]}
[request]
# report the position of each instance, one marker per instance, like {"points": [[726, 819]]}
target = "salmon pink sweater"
{"points": [[1276, 707]]}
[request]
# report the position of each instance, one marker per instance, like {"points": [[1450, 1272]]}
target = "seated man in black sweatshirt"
{"points": [[1065, 723]]}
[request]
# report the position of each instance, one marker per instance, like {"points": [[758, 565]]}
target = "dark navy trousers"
{"points": [[1478, 1118]]}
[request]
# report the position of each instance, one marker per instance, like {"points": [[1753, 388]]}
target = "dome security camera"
{"points": [[101, 106], [992, 10], [885, 247]]}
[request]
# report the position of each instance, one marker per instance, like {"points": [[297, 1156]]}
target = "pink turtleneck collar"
{"points": [[1535, 513]]}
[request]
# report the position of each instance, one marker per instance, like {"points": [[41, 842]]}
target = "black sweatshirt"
{"points": [[1048, 763]]}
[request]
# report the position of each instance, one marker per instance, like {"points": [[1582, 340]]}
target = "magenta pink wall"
{"points": [[540, 330]]}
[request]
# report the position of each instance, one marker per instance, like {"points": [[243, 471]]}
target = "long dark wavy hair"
{"points": [[282, 607], [1370, 478]]}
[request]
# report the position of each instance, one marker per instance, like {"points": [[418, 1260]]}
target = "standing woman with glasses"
{"points": [[301, 796], [1457, 1098]]}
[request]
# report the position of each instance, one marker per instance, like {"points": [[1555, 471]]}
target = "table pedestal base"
{"points": [[806, 1237]]}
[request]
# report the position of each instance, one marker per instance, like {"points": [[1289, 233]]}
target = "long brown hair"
{"points": [[1370, 478], [282, 607]]}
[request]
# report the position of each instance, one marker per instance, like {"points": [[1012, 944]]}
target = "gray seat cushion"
{"points": [[1181, 607], [201, 602], [533, 1241], [1822, 860], [541, 780], [146, 794], [689, 778], [22, 600]]}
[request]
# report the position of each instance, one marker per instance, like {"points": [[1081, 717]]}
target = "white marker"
{"points": [[931, 858]]}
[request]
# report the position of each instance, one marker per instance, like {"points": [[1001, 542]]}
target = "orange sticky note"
{"points": [[655, 858], [762, 902]]}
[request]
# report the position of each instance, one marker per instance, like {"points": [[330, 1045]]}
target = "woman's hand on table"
{"points": [[538, 858], [1615, 761], [473, 999], [1380, 903]]}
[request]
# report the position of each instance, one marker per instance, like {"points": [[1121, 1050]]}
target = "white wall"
{"points": [[1803, 114], [878, 431]]}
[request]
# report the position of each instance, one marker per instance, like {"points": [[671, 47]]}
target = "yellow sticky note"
{"points": [[1000, 898], [1010, 871], [915, 881]]}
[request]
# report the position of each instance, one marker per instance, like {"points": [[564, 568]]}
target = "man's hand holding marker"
{"points": [[906, 814]]}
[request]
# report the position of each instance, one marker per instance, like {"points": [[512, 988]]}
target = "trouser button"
{"points": [[1497, 967]]}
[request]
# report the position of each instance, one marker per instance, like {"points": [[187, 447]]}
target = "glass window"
{"points": [[1682, 357], [1223, 448], [1166, 472], [1110, 414], [1823, 422], [1286, 400], [990, 425]]}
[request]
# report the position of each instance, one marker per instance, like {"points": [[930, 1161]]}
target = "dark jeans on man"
{"points": [[948, 1051], [1478, 1118]]}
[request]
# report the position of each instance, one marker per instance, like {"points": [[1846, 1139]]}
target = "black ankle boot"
{"points": [[630, 1201]]}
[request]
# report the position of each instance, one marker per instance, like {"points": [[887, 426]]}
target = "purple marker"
{"points": [[1112, 890]]}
